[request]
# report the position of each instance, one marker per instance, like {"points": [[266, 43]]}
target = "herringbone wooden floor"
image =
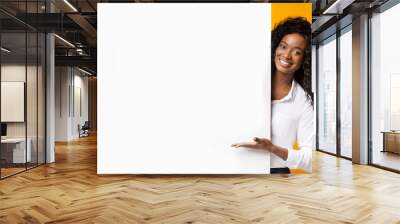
{"points": [[70, 191]]}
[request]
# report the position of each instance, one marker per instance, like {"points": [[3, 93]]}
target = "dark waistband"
{"points": [[279, 170]]}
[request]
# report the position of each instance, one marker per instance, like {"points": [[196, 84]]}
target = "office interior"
{"points": [[45, 79], [356, 54], [48, 84]]}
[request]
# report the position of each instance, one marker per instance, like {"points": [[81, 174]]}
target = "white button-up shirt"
{"points": [[293, 124]]}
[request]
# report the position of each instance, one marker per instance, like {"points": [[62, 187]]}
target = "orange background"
{"points": [[281, 11]]}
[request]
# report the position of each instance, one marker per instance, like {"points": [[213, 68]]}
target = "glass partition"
{"points": [[23, 91], [14, 153], [32, 95], [32, 108], [41, 86]]}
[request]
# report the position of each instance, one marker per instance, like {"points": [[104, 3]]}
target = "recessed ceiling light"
{"points": [[84, 71], [5, 50], [64, 40], [70, 5], [337, 7]]}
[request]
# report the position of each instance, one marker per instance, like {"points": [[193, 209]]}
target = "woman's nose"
{"points": [[287, 54]]}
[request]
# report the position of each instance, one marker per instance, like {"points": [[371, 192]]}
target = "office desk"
{"points": [[13, 150], [391, 141]]}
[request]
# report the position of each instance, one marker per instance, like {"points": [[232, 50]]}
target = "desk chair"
{"points": [[84, 130]]}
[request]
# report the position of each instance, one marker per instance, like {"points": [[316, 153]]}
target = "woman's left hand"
{"points": [[258, 143]]}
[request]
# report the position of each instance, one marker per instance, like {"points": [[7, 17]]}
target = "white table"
{"points": [[18, 145]]}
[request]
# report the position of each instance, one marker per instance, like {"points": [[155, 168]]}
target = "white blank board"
{"points": [[178, 84], [12, 101]]}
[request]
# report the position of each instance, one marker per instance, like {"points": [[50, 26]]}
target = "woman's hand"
{"points": [[264, 144], [259, 143]]}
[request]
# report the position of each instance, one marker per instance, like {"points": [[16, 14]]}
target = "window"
{"points": [[385, 89], [345, 42], [327, 95]]}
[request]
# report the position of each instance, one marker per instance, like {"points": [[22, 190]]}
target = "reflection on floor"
{"points": [[386, 159], [70, 191], [10, 169]]}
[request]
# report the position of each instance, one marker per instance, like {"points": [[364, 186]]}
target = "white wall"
{"points": [[16, 72], [62, 81], [70, 83], [80, 84]]}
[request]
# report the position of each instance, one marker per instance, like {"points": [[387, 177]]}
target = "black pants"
{"points": [[279, 170]]}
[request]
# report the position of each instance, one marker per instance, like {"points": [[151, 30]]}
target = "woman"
{"points": [[292, 112]]}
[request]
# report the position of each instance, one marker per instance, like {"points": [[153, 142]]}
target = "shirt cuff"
{"points": [[298, 159]]}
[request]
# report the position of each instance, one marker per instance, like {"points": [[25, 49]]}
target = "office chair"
{"points": [[84, 130]]}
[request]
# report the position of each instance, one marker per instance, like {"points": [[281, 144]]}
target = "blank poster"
{"points": [[178, 84]]}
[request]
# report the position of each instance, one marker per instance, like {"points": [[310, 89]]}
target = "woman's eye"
{"points": [[298, 52], [282, 46]]}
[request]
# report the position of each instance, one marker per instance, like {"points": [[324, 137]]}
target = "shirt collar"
{"points": [[289, 96]]}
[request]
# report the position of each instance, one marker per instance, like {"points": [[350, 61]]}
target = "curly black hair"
{"points": [[301, 26]]}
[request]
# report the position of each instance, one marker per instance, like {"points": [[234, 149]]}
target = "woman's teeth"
{"points": [[284, 62]]}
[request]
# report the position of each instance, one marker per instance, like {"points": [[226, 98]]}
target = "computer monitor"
{"points": [[3, 129]]}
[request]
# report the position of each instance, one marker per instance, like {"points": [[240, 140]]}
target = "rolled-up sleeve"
{"points": [[302, 158]]}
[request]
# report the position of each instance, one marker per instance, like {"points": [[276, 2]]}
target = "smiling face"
{"points": [[289, 54]]}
